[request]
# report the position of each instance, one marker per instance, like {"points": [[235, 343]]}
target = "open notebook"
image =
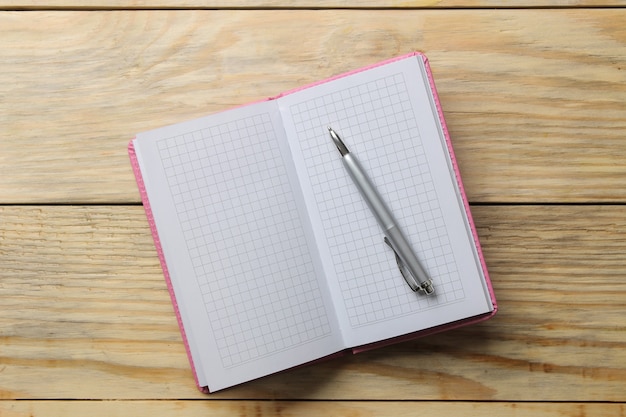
{"points": [[271, 255]]}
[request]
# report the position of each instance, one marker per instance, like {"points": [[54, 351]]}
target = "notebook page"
{"points": [[385, 117], [241, 261]]}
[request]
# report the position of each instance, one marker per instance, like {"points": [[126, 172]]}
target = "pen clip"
{"points": [[426, 287]]}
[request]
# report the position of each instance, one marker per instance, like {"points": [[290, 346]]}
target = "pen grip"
{"points": [[404, 251]]}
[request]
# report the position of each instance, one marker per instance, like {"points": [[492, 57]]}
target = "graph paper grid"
{"points": [[248, 249], [377, 122]]}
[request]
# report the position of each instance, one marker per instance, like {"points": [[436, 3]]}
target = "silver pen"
{"points": [[416, 277]]}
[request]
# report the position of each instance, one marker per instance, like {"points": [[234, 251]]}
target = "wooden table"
{"points": [[535, 99]]}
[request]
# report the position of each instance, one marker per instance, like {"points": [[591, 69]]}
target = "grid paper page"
{"points": [[377, 122], [248, 249]]}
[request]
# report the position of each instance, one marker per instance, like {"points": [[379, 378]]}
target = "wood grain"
{"points": [[534, 98], [300, 409], [296, 4], [86, 315], [535, 104]]}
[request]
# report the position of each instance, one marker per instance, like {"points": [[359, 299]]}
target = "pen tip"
{"points": [[343, 150]]}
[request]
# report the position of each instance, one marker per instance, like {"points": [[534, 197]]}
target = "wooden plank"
{"points": [[536, 115], [86, 315], [68, 408], [296, 4]]}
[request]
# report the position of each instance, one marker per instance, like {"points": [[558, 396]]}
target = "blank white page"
{"points": [[388, 121], [241, 259]]}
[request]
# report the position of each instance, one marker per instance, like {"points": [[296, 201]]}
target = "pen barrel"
{"points": [[385, 219], [368, 192]]}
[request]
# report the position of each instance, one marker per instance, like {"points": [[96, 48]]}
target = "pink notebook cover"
{"points": [[409, 336]]}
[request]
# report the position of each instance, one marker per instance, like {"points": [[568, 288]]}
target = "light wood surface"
{"points": [[85, 301], [76, 86], [301, 409], [535, 100], [295, 4]]}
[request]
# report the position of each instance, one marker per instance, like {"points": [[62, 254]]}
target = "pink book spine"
{"points": [[457, 174], [157, 243]]}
